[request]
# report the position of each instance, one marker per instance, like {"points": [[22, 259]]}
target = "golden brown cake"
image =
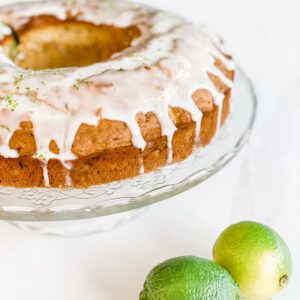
{"points": [[97, 91]]}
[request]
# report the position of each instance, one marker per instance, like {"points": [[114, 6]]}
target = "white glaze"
{"points": [[179, 53], [46, 175]]}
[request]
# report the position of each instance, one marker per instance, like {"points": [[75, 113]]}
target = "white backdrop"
{"points": [[264, 37]]}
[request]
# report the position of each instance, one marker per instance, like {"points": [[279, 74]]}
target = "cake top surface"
{"points": [[160, 69]]}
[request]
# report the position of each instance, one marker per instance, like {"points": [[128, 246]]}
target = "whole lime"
{"points": [[189, 278], [256, 257]]}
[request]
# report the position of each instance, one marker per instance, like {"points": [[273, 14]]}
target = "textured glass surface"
{"points": [[46, 204]]}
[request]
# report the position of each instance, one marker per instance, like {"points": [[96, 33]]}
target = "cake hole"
{"points": [[46, 42]]}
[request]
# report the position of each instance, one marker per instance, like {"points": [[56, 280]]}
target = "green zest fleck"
{"points": [[87, 82], [10, 102], [5, 127], [40, 156], [78, 82], [59, 73], [18, 79], [13, 50], [140, 59], [76, 85]]}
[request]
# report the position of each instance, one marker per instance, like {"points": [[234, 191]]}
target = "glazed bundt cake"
{"points": [[98, 91]]}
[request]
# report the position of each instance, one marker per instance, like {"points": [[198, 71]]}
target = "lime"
{"points": [[189, 278], [256, 257]]}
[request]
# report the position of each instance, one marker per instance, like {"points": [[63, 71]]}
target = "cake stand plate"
{"points": [[44, 204]]}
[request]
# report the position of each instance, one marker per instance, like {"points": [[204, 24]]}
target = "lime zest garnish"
{"points": [[10, 102], [78, 82], [5, 127], [13, 50], [76, 85], [41, 156], [18, 79], [87, 82]]}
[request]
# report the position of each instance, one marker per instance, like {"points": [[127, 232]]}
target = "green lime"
{"points": [[256, 257], [189, 278]]}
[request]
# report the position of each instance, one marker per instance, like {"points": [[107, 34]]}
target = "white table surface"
{"points": [[264, 37]]}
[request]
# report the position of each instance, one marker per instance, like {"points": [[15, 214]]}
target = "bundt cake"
{"points": [[98, 91]]}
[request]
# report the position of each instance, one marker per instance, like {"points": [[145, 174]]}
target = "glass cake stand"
{"points": [[35, 209]]}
